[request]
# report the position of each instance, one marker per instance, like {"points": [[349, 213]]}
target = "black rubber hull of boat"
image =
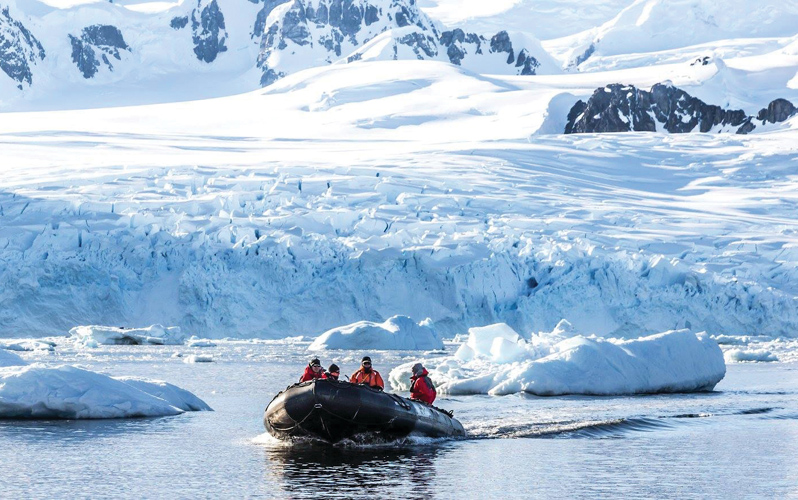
{"points": [[333, 411]]}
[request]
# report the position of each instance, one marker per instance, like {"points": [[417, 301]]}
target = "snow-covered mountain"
{"points": [[202, 48], [305, 33]]}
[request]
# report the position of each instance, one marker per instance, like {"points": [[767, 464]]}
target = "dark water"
{"points": [[739, 442]]}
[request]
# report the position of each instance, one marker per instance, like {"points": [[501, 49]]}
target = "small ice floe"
{"points": [[27, 345], [747, 355], [496, 360], [94, 336], [198, 358], [197, 342], [397, 333], [67, 392]]}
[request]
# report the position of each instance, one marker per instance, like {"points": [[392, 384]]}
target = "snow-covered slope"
{"points": [[394, 187], [657, 25]]}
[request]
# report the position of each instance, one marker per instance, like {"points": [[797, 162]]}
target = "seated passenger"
{"points": [[333, 372], [368, 376], [313, 371], [421, 387]]}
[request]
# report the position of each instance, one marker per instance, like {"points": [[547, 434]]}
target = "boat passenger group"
{"points": [[421, 387]]}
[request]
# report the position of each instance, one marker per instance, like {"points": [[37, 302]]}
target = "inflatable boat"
{"points": [[332, 411]]}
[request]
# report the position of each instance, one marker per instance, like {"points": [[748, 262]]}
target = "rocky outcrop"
{"points": [[178, 23], [208, 30], [625, 108], [308, 33], [95, 44], [458, 44], [19, 50]]}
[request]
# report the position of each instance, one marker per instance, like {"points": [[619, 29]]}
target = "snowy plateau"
{"points": [[399, 173]]}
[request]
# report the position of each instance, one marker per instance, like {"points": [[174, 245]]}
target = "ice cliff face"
{"points": [[19, 50], [304, 33], [208, 30], [625, 108], [94, 46]]}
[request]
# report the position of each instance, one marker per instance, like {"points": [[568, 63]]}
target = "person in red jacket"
{"points": [[333, 372], [421, 387], [313, 371], [367, 375]]}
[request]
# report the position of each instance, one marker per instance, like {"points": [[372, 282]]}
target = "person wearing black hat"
{"points": [[367, 375], [313, 371], [333, 372]]}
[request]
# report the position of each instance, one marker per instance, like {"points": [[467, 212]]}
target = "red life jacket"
{"points": [[310, 374], [372, 378], [422, 388]]}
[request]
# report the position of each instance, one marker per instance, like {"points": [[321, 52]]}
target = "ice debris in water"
{"points": [[68, 392], [198, 358], [396, 333], [93, 336], [496, 360], [27, 345], [741, 355], [197, 342]]}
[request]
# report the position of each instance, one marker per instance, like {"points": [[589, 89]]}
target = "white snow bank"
{"points": [[742, 355], [92, 336], [547, 365], [396, 333], [10, 359], [68, 392]]}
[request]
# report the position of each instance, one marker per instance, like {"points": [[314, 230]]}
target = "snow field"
{"points": [[497, 361]]}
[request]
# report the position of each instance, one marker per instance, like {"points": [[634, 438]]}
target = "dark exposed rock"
{"points": [[179, 22], [777, 111], [99, 40], [584, 56], [209, 33], [528, 63], [501, 43], [703, 61], [619, 108], [19, 49], [422, 45]]}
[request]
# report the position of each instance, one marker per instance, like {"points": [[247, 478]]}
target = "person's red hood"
{"points": [[424, 373]]}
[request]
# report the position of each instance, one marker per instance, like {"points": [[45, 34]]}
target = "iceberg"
{"points": [[67, 392], [547, 364], [10, 359], [744, 355], [396, 333], [93, 336]]}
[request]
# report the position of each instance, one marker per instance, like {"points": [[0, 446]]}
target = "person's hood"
{"points": [[423, 373]]}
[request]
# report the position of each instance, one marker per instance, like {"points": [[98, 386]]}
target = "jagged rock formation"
{"points": [[178, 23], [625, 108], [208, 31], [19, 49], [100, 38], [307, 33]]}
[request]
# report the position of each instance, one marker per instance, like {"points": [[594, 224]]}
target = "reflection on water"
{"points": [[305, 470]]}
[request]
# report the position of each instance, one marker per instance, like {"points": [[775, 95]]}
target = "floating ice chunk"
{"points": [[506, 351], [198, 358], [741, 355], [27, 345], [197, 342], [481, 339], [92, 336], [397, 333], [10, 359], [175, 396], [68, 392], [674, 361]]}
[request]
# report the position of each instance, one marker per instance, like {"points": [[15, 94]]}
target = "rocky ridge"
{"points": [[625, 108]]}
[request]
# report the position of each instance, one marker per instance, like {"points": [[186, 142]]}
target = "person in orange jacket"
{"points": [[313, 371], [421, 387], [367, 375]]}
